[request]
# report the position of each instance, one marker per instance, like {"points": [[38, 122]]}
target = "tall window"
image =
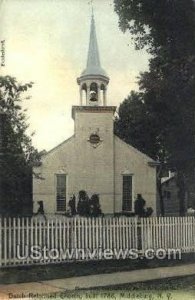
{"points": [[127, 192], [61, 192]]}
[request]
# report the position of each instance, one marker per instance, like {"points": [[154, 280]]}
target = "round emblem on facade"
{"points": [[94, 138]]}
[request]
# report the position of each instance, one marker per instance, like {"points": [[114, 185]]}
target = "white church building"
{"points": [[94, 159]]}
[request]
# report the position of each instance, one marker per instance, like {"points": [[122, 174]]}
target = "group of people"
{"points": [[86, 206]]}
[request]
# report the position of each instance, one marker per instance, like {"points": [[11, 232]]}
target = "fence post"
{"points": [[9, 239], [141, 237], [14, 241], [1, 242], [138, 233], [5, 240], [193, 230]]}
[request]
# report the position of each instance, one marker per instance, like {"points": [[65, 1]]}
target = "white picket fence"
{"points": [[81, 236]]}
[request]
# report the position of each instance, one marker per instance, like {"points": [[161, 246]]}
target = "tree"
{"points": [[166, 29], [135, 125], [19, 155]]}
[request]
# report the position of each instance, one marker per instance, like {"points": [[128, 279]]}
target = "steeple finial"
{"points": [[92, 13]]}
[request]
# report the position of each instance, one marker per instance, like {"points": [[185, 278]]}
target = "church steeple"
{"points": [[93, 80], [93, 59]]}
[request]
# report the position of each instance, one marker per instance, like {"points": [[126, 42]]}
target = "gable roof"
{"points": [[150, 160], [59, 145], [168, 179]]}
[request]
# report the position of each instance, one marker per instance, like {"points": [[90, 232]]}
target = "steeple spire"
{"points": [[93, 59], [93, 79]]}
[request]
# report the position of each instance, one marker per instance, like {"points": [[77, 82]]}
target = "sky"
{"points": [[46, 42]]}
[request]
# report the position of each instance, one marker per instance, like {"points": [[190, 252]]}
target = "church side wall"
{"points": [[130, 161]]}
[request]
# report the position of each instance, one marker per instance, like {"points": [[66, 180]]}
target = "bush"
{"points": [[95, 209], [83, 204], [140, 210]]}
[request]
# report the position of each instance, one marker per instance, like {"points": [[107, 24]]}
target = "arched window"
{"points": [[102, 87], [93, 87], [93, 92]]}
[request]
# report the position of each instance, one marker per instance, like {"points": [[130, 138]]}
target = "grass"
{"points": [[71, 269]]}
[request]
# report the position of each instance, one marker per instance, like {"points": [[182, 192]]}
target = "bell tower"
{"points": [[93, 80]]}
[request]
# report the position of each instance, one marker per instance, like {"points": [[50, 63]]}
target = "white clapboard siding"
{"points": [[89, 235]]}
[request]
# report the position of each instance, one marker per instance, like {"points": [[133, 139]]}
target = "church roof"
{"points": [[93, 60]]}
